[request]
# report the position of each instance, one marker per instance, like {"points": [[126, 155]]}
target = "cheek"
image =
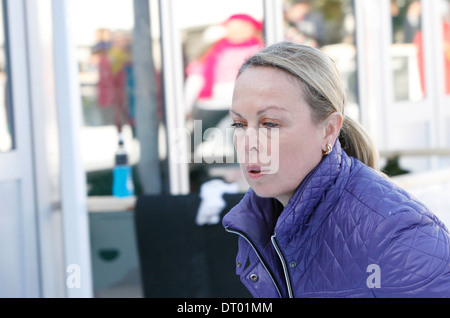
{"points": [[292, 151], [300, 153]]}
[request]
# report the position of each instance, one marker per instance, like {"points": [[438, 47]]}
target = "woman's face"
{"points": [[272, 120]]}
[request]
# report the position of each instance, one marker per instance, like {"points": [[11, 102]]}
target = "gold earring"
{"points": [[328, 151]]}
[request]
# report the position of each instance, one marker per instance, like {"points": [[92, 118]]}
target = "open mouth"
{"points": [[254, 170]]}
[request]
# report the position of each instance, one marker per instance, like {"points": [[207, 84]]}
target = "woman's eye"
{"points": [[237, 125], [270, 125]]}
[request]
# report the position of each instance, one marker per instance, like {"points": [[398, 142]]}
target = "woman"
{"points": [[325, 223]]}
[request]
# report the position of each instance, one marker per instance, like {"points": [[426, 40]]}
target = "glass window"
{"points": [[6, 113], [407, 50], [214, 47], [330, 26], [118, 47], [446, 42]]}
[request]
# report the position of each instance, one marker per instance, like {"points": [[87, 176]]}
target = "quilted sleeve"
{"points": [[411, 251]]}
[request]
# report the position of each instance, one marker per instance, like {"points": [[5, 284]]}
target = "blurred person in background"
{"points": [[304, 26], [446, 31], [115, 84], [210, 79], [412, 22], [418, 41]]}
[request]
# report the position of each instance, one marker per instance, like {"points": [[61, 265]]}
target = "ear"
{"points": [[331, 128]]}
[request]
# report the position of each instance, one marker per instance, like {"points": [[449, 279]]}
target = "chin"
{"points": [[263, 194], [264, 191], [272, 189]]}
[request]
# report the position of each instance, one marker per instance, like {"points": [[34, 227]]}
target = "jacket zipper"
{"points": [[277, 249], [283, 263], [280, 254], [257, 254]]}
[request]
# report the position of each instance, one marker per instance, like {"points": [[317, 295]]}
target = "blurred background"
{"points": [[100, 99]]}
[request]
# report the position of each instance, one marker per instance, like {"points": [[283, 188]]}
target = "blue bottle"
{"points": [[122, 175]]}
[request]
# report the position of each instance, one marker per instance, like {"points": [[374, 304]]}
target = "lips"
{"points": [[255, 171]]}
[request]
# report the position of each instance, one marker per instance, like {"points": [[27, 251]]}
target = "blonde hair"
{"points": [[322, 89]]}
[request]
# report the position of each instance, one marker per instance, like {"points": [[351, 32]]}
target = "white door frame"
{"points": [[172, 67], [75, 223], [20, 267], [52, 228]]}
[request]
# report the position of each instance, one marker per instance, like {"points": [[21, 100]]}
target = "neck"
{"points": [[284, 200]]}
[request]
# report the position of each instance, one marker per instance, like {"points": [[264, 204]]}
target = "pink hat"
{"points": [[245, 17]]}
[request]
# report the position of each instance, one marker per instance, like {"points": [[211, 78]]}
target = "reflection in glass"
{"points": [[407, 50], [120, 87], [214, 47], [330, 26], [6, 115], [305, 24], [446, 42]]}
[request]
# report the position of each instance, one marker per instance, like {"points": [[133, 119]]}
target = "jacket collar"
{"points": [[255, 217], [301, 214], [260, 217], [312, 188]]}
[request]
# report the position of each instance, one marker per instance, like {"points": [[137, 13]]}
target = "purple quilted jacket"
{"points": [[346, 232]]}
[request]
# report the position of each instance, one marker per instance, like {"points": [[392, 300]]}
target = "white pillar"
{"points": [[73, 183]]}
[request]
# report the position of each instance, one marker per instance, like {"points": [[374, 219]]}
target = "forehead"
{"points": [[262, 86]]}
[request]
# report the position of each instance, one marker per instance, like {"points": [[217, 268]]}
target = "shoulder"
{"points": [[378, 193], [408, 242], [412, 251]]}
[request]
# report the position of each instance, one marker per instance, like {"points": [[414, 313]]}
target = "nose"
{"points": [[246, 139], [251, 140], [247, 145]]}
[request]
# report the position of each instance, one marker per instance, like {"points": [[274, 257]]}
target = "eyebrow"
{"points": [[262, 111]]}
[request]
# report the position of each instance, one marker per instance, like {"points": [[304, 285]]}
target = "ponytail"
{"points": [[357, 143]]}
